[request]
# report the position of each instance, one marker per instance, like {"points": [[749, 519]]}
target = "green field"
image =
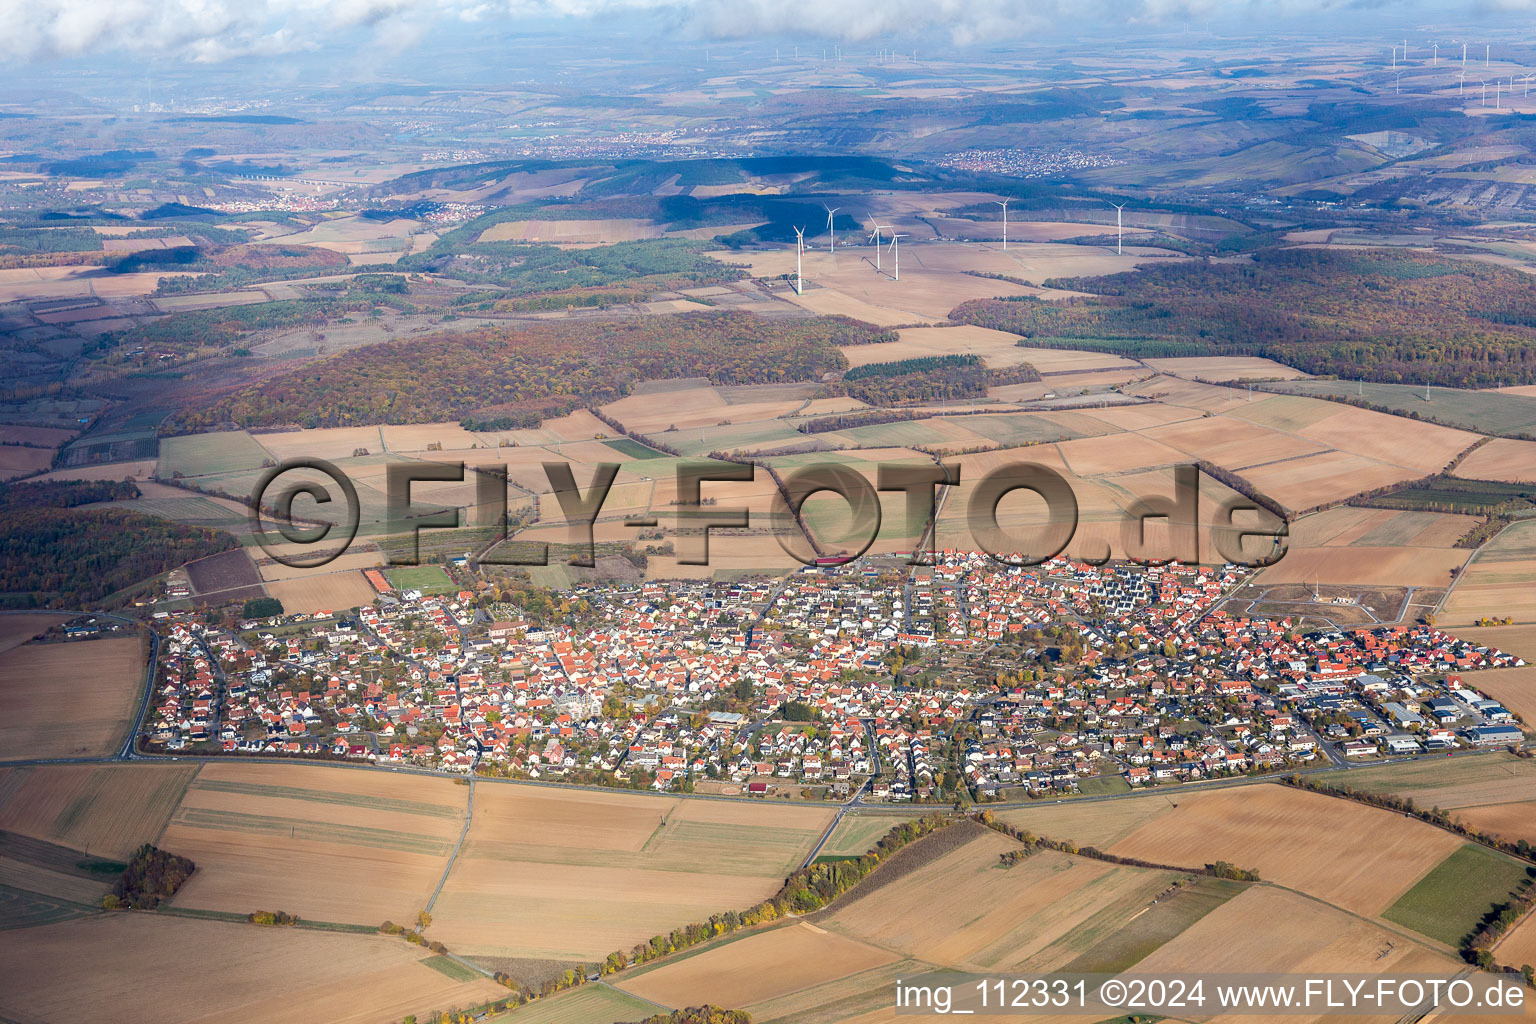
{"points": [[189, 511], [451, 967], [1453, 494], [201, 454], [857, 834], [429, 579], [590, 1004], [634, 449], [1488, 412], [1102, 785], [1450, 901]]}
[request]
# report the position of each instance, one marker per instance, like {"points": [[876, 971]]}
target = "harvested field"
{"points": [[576, 875], [589, 1004], [605, 232], [351, 561], [996, 348], [1115, 453], [1353, 856], [1100, 824], [1269, 929], [69, 699], [754, 968], [958, 906], [1514, 820], [16, 630], [1393, 440], [129, 967], [328, 844], [1323, 479], [330, 592], [1220, 369], [1231, 442], [45, 437], [1519, 946], [17, 461], [1070, 361], [109, 810], [1501, 459], [1498, 580], [1450, 783], [1364, 566]]}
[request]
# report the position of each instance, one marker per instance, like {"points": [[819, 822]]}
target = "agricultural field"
{"points": [[858, 833], [329, 592], [996, 348], [194, 455], [1497, 582], [1489, 412], [757, 967], [1450, 901], [589, 1004], [576, 875], [328, 844], [70, 699], [1356, 857], [17, 461], [1270, 929], [1519, 946], [119, 966], [1503, 460], [1226, 369], [16, 630], [106, 810]]}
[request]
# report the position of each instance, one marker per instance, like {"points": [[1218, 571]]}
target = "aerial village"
{"points": [[876, 680]]}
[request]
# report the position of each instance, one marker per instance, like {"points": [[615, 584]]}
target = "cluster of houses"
{"points": [[904, 682]]}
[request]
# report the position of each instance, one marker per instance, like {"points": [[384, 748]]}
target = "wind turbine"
{"points": [[1498, 90], [1463, 54], [1462, 87], [1435, 60], [896, 256], [799, 248], [1399, 86], [1394, 56], [1119, 228], [1487, 55], [832, 235], [1485, 92], [875, 234], [1405, 51], [1004, 204]]}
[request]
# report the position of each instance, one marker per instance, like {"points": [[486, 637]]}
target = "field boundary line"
{"points": [[453, 855]]}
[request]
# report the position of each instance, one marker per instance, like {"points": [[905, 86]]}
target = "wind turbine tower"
{"points": [[1004, 204], [1434, 61], [1463, 86], [831, 234], [896, 256], [875, 234], [1463, 55], [1119, 228], [799, 249], [1487, 55]]}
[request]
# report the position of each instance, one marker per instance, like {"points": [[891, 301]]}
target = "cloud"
{"points": [[216, 30]]}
